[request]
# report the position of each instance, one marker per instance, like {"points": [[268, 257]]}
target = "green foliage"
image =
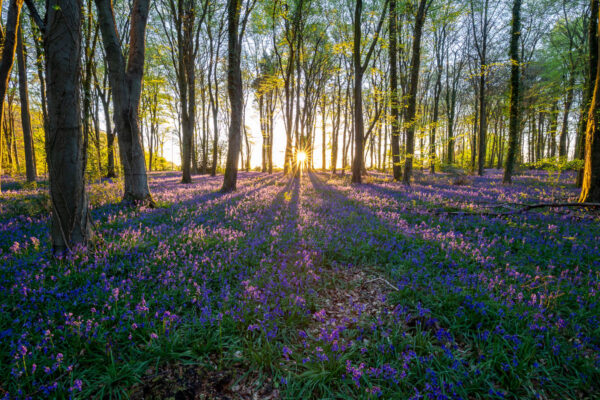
{"points": [[556, 165], [32, 204]]}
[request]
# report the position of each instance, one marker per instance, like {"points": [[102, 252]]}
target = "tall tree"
{"points": [[104, 93], [126, 85], [410, 119], [293, 24], [590, 189], [453, 74], [515, 83], [9, 40], [183, 32], [439, 45], [394, 100], [481, 45], [360, 67], [235, 34], [570, 33], [65, 149], [30, 165], [591, 81], [215, 41]]}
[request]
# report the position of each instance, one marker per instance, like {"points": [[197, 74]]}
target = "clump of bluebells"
{"points": [[499, 306]]}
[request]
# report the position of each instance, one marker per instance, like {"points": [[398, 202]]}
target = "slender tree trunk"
{"points": [[126, 85], [336, 110], [215, 118], [590, 189], [324, 132], [451, 102], [65, 149], [358, 167], [345, 143], [411, 110], [110, 139], [187, 88], [515, 93], [8, 55], [591, 84], [30, 167], [394, 100], [14, 140], [482, 52], [263, 130], [474, 136], [482, 139], [98, 144], [248, 150], [271, 111], [385, 148], [358, 113], [88, 56], [234, 88], [562, 149], [214, 97], [436, 113], [500, 145], [553, 129], [41, 75]]}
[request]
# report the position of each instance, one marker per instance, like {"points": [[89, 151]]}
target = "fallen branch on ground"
{"points": [[528, 207], [383, 280]]}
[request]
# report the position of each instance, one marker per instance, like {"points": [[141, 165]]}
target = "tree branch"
{"points": [[36, 16], [528, 208], [376, 38]]}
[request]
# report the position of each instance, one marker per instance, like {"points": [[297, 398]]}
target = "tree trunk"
{"points": [[394, 100], [263, 130], [65, 150], [553, 128], [590, 189], [30, 167], [214, 97], [358, 114], [271, 111], [591, 83], [187, 86], [335, 121], [96, 117], [110, 140], [474, 136], [434, 123], [8, 56], [411, 109], [562, 149], [126, 85], [451, 103], [358, 166], [515, 83], [324, 132], [234, 88], [248, 150]]}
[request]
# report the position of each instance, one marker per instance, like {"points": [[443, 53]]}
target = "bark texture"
{"points": [[9, 39], [234, 88], [411, 110], [515, 82], [65, 149], [126, 85], [590, 189], [394, 100]]}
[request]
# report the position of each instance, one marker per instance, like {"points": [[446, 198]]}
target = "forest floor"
{"points": [[306, 288]]}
